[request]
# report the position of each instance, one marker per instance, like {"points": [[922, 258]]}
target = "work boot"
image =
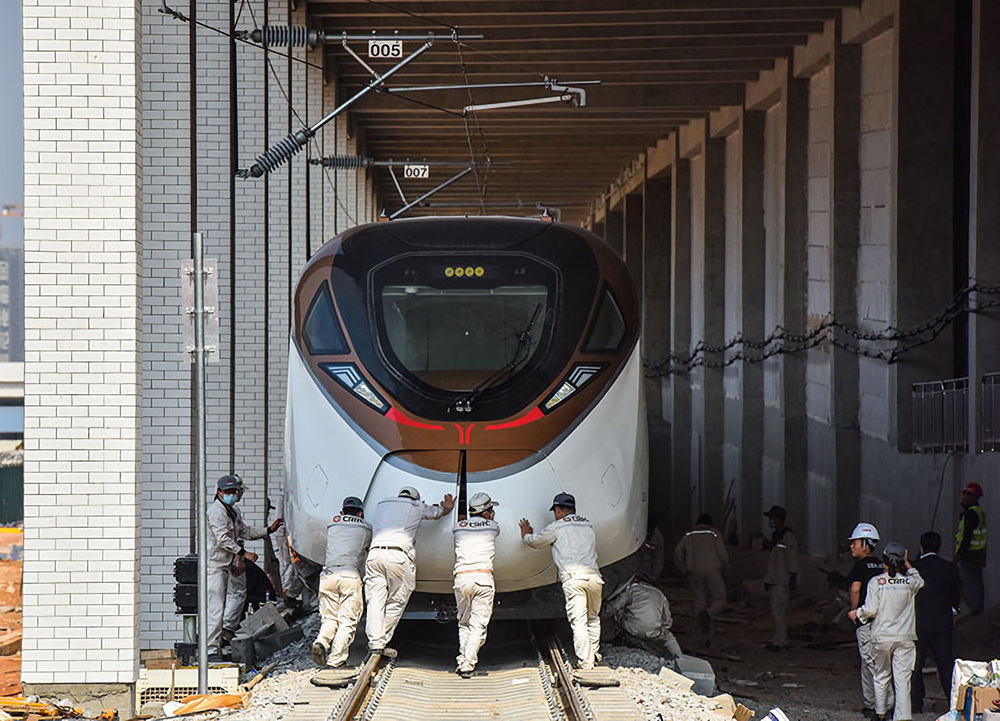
{"points": [[227, 636], [464, 671], [319, 653]]}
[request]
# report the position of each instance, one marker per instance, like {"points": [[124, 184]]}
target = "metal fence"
{"points": [[991, 412], [940, 413]]}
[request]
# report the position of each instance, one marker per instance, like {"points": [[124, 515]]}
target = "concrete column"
{"points": [[922, 246], [633, 242], [984, 211], [614, 228], [793, 293], [679, 406], [709, 265], [83, 324], [844, 238], [751, 320], [657, 282]]}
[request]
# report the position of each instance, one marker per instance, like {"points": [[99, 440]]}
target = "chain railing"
{"points": [[940, 415], [887, 345]]}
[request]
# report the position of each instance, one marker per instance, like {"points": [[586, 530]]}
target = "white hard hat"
{"points": [[481, 502], [409, 492], [865, 531]]}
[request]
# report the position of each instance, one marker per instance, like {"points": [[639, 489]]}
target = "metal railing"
{"points": [[940, 413], [990, 413]]}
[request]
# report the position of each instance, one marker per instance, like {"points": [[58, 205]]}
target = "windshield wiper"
{"points": [[464, 403]]}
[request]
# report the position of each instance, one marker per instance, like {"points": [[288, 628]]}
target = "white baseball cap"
{"points": [[481, 502], [409, 492]]}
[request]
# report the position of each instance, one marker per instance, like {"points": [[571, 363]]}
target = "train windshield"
{"points": [[455, 338]]}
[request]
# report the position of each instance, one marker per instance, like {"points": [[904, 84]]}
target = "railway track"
{"points": [[527, 677]]}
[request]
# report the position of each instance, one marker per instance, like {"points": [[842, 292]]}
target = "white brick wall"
{"points": [[83, 184], [166, 529]]}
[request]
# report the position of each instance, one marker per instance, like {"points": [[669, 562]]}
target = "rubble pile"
{"points": [[659, 695]]}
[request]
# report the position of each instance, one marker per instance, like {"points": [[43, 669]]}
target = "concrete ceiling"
{"points": [[661, 63]]}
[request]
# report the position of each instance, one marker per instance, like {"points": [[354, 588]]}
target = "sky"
{"points": [[11, 117]]}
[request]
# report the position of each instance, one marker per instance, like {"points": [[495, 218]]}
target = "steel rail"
{"points": [[573, 704], [349, 708]]}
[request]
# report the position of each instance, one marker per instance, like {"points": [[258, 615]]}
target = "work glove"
{"points": [[793, 581]]}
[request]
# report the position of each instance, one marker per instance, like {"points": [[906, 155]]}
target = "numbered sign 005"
{"points": [[416, 171], [385, 49]]}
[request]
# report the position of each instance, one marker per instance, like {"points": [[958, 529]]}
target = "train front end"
{"points": [[459, 355]]}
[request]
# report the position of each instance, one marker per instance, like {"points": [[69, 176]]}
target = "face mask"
{"points": [[229, 498]]}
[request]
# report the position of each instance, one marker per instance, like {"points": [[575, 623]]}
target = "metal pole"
{"points": [[429, 193], [201, 470]]}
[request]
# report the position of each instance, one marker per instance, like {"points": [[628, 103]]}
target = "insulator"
{"points": [[296, 36], [345, 162], [280, 152]]}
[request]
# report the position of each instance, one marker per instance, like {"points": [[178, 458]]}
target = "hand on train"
{"points": [[525, 527], [278, 523], [448, 502]]}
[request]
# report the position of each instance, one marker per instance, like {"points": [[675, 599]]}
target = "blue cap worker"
{"points": [[341, 602], [226, 556], [574, 551]]}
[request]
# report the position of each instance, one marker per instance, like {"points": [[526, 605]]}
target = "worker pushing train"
{"points": [[475, 547], [340, 597], [574, 551], [391, 571], [226, 561]]}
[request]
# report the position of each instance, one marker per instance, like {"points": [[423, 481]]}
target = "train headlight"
{"points": [[348, 375], [580, 376]]}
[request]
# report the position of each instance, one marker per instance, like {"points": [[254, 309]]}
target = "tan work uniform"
{"points": [[574, 551], [702, 557], [390, 572], [781, 563], [340, 597], [891, 607], [227, 583], [475, 547]]}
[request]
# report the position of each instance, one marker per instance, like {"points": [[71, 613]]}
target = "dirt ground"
{"points": [[10, 611], [817, 678]]}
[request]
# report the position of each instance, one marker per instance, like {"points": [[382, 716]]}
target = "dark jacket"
{"points": [[940, 594]]}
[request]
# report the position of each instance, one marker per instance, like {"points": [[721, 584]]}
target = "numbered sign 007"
{"points": [[416, 171], [392, 49]]}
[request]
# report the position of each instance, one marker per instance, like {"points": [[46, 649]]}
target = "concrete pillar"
{"points": [[679, 406], [793, 293], [83, 361], [751, 319], [614, 228], [657, 282], [922, 246], [633, 242], [708, 321], [984, 211]]}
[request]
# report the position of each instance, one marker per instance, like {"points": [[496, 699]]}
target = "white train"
{"points": [[459, 355]]}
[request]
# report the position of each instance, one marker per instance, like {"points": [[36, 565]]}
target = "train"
{"points": [[466, 354]]}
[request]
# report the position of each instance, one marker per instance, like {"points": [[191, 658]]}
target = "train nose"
{"points": [[524, 490]]}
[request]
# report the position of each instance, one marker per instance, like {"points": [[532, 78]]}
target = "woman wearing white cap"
{"points": [[890, 607], [475, 547]]}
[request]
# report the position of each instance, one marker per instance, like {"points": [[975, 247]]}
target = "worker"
{"points": [[340, 598], [890, 606], [936, 607], [701, 556], [574, 551], [391, 571], [970, 547], [642, 614], [782, 574], [475, 547], [292, 587], [864, 538], [226, 556]]}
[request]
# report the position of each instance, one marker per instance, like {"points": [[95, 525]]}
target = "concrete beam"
{"points": [[871, 18]]}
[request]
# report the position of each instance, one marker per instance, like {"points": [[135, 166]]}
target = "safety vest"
{"points": [[978, 542]]}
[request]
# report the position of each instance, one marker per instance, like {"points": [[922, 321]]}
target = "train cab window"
{"points": [[321, 329], [609, 326], [455, 338]]}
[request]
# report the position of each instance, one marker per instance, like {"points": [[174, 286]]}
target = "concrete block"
{"points": [[277, 641]]}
